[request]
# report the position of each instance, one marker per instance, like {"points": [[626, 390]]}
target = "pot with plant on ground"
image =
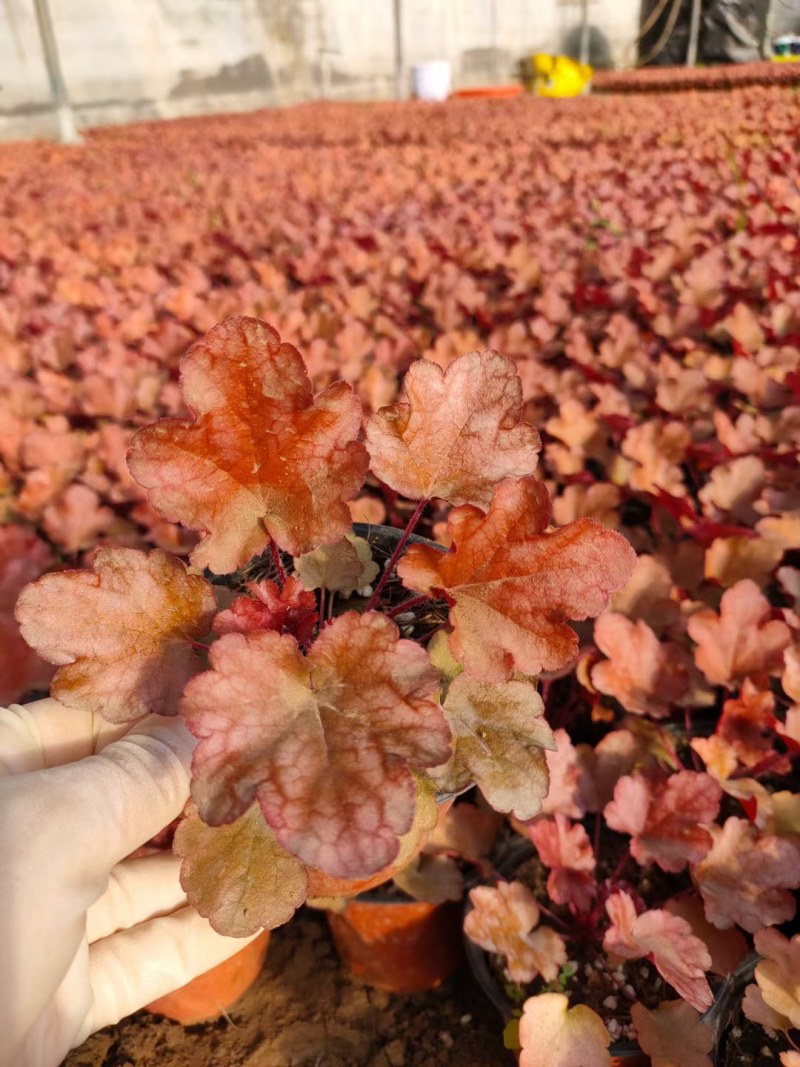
{"points": [[323, 734]]}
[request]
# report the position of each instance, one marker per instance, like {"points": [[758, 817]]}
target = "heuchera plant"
{"points": [[323, 734], [676, 852]]}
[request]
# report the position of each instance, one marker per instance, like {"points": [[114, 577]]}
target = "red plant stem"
{"points": [[198, 646], [407, 605], [276, 559], [620, 867], [375, 599]]}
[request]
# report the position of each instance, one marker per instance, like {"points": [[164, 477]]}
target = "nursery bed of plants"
{"points": [[636, 261]]}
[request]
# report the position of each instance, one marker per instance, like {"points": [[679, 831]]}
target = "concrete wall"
{"points": [[128, 59]]}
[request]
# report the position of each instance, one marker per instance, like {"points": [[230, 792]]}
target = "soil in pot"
{"points": [[589, 977]]}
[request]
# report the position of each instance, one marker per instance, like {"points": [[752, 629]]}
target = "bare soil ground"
{"points": [[306, 1011]]}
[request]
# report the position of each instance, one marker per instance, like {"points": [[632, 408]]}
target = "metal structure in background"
{"points": [[67, 130], [399, 73], [694, 33]]}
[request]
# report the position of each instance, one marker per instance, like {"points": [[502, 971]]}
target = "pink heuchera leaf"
{"points": [[75, 519], [566, 849], [664, 817], [565, 794], [505, 920], [747, 878], [742, 640], [459, 435], [237, 875], [261, 458], [778, 974], [644, 674], [673, 1035], [512, 585], [290, 610], [680, 957], [755, 1008], [553, 1034], [121, 635], [324, 742], [727, 948], [499, 741]]}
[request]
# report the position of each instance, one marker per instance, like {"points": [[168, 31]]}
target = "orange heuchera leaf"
{"points": [[747, 878], [512, 585], [466, 829], [745, 732], [664, 818], [499, 737], [566, 849], [237, 875], [433, 879], [290, 610], [324, 742], [679, 956], [553, 1034], [121, 635], [778, 974], [742, 640], [645, 675], [261, 458], [505, 920], [673, 1035], [460, 433]]}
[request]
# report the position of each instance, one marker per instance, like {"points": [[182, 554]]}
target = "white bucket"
{"points": [[431, 81]]}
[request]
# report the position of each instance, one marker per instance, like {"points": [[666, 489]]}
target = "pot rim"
{"points": [[365, 529]]}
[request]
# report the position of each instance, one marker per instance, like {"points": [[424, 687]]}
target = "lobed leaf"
{"points": [[325, 742], [553, 1034], [778, 973], [238, 876], [499, 737], [668, 819], [290, 610], [566, 849], [512, 583], [673, 1035], [504, 919], [459, 435], [121, 635], [647, 676], [746, 877], [679, 956], [742, 639], [261, 458]]}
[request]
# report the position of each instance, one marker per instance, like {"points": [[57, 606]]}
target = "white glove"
{"points": [[86, 935]]}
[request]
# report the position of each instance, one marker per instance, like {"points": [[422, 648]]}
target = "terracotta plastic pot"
{"points": [[397, 945], [212, 993]]}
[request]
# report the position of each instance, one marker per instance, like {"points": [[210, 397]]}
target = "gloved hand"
{"points": [[86, 935]]}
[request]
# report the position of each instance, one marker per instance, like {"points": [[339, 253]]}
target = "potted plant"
{"points": [[406, 936], [322, 740], [661, 859]]}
